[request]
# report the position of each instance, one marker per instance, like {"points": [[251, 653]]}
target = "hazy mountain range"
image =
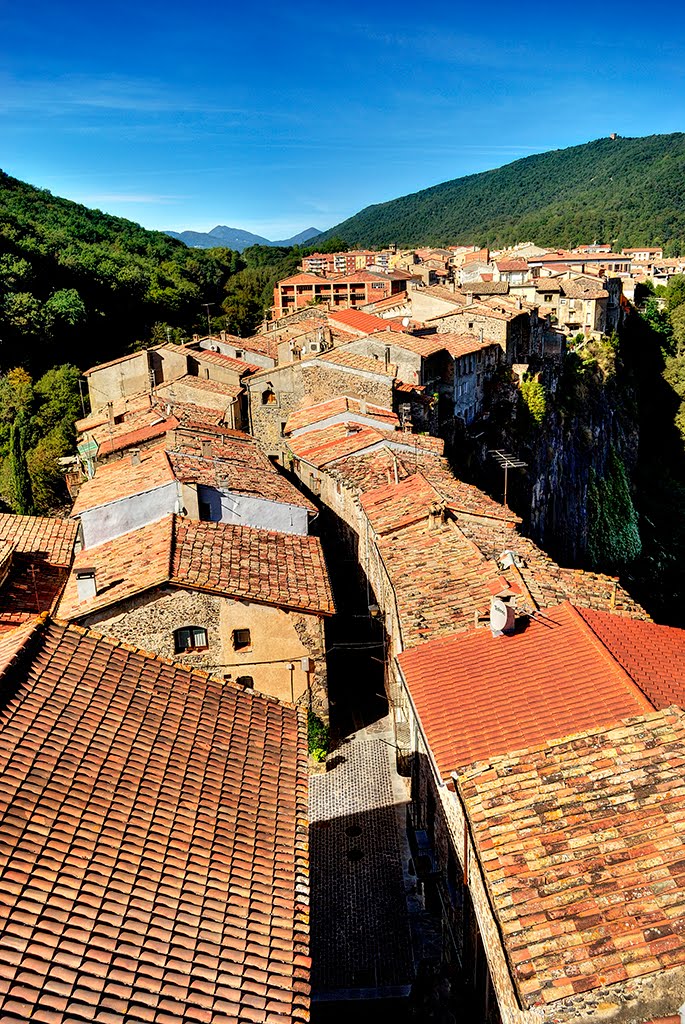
{"points": [[236, 238]]}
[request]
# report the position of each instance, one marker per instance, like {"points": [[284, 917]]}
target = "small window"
{"points": [[239, 353], [205, 510], [241, 639], [190, 638], [247, 682], [268, 397]]}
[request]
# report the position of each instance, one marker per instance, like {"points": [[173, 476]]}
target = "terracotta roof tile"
{"points": [[273, 568], [234, 561], [356, 361], [36, 553], [580, 843], [313, 414], [478, 696], [152, 822], [121, 479], [41, 536], [204, 355], [652, 655], [342, 440], [234, 462], [200, 384]]}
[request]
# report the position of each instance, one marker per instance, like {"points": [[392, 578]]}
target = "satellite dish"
{"points": [[405, 321], [502, 617]]}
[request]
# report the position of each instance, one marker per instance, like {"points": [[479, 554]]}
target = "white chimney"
{"points": [[86, 584], [135, 456], [206, 448]]}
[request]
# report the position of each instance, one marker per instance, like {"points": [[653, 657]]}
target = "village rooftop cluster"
{"points": [[161, 648]]}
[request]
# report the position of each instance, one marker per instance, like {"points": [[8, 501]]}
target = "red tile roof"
{"points": [[121, 479], [181, 385], [235, 462], [282, 569], [285, 570], [580, 840], [366, 323], [152, 841], [37, 552], [652, 655], [325, 446], [479, 696], [128, 435], [51, 539], [204, 355], [313, 414]]}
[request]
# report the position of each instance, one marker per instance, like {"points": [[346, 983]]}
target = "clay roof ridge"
{"points": [[622, 673]]}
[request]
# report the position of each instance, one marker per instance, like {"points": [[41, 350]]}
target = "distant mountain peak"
{"points": [[237, 238]]}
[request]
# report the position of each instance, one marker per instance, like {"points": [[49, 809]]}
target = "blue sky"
{"points": [[274, 117]]}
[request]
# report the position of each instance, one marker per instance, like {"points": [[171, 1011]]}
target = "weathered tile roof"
{"points": [[340, 440], [320, 447], [121, 407], [121, 479], [581, 843], [51, 539], [234, 561], [152, 840], [259, 565], [652, 655], [141, 426], [36, 552], [583, 289], [235, 462], [125, 566], [312, 414], [188, 381], [356, 361], [205, 355], [479, 696]]}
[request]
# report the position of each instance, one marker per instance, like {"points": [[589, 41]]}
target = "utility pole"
{"points": [[208, 306]]}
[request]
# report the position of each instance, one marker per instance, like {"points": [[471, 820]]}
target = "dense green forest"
{"points": [[80, 286], [624, 191]]}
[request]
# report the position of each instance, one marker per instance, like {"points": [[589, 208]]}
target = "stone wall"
{"points": [[321, 382], [279, 638]]}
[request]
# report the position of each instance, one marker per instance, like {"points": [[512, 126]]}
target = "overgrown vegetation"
{"points": [[613, 531], [318, 738], [628, 192], [534, 397], [82, 286], [36, 429]]}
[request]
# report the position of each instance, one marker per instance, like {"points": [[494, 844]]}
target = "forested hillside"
{"points": [[80, 286], [625, 191]]}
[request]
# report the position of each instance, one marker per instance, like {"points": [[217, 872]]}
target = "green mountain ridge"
{"points": [[624, 191]]}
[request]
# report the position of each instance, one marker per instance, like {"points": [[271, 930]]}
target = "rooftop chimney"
{"points": [[85, 584], [206, 448], [362, 406], [135, 456], [110, 413]]}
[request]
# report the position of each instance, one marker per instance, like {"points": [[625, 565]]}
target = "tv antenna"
{"points": [[507, 461]]}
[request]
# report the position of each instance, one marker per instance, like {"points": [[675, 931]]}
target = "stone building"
{"points": [[242, 603]]}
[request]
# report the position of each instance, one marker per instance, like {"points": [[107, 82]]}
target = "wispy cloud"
{"points": [[127, 197]]}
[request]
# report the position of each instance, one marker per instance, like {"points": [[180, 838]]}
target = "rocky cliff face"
{"points": [[575, 429]]}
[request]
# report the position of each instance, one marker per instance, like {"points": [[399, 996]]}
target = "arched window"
{"points": [[190, 638]]}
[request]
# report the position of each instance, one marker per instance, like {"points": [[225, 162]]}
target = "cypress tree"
{"points": [[20, 481]]}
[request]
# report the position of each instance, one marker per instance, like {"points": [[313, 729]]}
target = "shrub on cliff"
{"points": [[613, 533]]}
